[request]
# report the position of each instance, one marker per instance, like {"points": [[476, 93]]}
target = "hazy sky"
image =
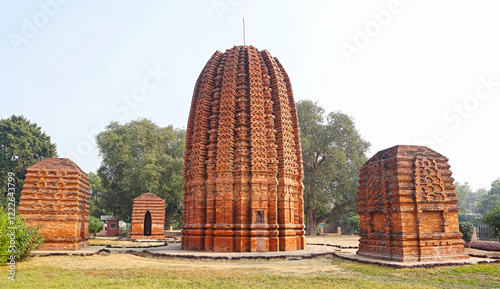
{"points": [[408, 72]]}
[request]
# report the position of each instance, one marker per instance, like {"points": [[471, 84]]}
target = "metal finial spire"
{"points": [[244, 43]]}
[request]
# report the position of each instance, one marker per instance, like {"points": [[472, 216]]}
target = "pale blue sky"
{"points": [[406, 71]]}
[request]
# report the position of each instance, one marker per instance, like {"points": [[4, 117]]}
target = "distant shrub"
{"points": [[467, 230], [485, 245], [18, 238], [353, 223], [95, 225], [123, 232]]}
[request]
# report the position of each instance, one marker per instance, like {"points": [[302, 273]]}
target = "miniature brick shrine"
{"points": [[243, 174], [148, 217], [407, 207], [56, 194]]}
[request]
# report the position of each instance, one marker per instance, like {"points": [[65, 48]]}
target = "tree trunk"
{"points": [[311, 224], [168, 220]]}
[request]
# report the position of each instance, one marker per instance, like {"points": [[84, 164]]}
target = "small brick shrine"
{"points": [[56, 194], [148, 217], [243, 174], [408, 207]]}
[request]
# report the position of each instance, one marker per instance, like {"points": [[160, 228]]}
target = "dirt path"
{"points": [[489, 254], [346, 241], [114, 241]]}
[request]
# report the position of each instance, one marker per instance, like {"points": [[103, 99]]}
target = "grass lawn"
{"points": [[130, 271]]}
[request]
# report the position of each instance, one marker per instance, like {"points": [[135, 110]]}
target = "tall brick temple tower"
{"points": [[243, 173], [407, 206]]}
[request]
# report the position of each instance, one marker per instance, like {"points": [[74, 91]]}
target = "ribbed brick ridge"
{"points": [[243, 175], [407, 207], [156, 207], [56, 194]]}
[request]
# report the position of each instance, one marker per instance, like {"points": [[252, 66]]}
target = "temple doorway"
{"points": [[147, 224]]}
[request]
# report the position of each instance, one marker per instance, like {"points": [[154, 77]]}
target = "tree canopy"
{"points": [[97, 207], [468, 197], [141, 157], [22, 144], [492, 219], [489, 200], [332, 151]]}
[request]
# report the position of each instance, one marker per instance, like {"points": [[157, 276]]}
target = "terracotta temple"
{"points": [[148, 217], [56, 194], [408, 207], [243, 164]]}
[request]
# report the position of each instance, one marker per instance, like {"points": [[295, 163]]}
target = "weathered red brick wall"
{"points": [[56, 194], [243, 165], [407, 207], [156, 207]]}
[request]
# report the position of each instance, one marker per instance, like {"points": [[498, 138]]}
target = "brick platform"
{"points": [[56, 194], [407, 207], [351, 256], [243, 174], [148, 217]]}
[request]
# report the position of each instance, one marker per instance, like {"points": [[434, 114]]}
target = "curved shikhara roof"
{"points": [[242, 100]]}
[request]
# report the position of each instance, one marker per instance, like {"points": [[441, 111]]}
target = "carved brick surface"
{"points": [[407, 207], [56, 194], [243, 174], [155, 206]]}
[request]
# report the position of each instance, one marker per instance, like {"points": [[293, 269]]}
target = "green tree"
{"points": [[467, 230], [140, 157], [333, 151], [480, 193], [95, 225], [474, 219], [492, 219], [464, 195], [489, 200], [97, 206], [22, 144], [468, 198]]}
